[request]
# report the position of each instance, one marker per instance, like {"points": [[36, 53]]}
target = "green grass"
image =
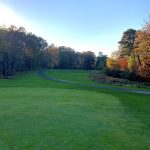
{"points": [[37, 114], [81, 76]]}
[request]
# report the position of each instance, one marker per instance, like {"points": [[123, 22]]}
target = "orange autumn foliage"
{"points": [[142, 51], [123, 63]]}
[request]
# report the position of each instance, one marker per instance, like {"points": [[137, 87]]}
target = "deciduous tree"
{"points": [[142, 51]]}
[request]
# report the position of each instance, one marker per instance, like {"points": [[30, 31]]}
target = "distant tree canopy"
{"points": [[66, 57], [20, 51], [101, 62], [89, 60]]}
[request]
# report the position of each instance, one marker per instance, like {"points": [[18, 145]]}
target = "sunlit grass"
{"points": [[36, 113]]}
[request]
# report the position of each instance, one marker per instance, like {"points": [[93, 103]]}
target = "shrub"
{"points": [[116, 73]]}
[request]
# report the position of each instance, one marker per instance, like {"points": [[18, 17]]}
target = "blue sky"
{"points": [[95, 25]]}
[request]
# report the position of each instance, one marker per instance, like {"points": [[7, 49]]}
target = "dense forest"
{"points": [[22, 51]]}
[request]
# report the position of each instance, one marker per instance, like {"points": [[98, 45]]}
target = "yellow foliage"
{"points": [[132, 65], [112, 63]]}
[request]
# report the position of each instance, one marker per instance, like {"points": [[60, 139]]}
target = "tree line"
{"points": [[132, 60], [23, 51]]}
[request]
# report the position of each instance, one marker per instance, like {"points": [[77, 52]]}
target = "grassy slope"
{"points": [[40, 114]]}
